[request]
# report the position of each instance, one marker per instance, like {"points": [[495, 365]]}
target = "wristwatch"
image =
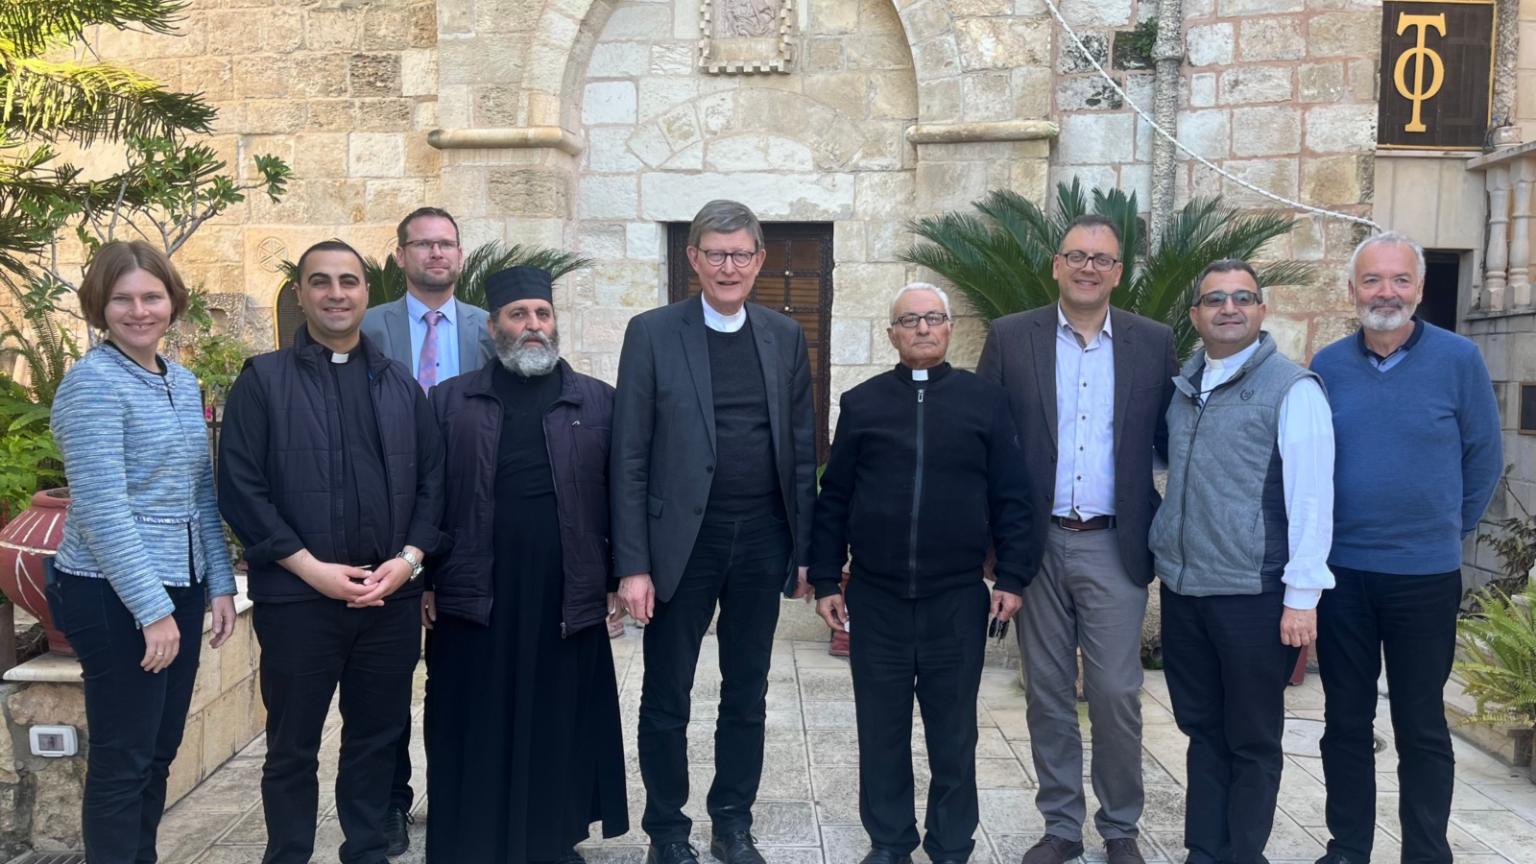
{"points": [[406, 556]]}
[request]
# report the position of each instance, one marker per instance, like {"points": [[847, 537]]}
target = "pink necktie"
{"points": [[426, 366]]}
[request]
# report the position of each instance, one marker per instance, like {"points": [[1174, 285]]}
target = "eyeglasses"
{"points": [[1077, 258], [910, 320], [431, 245], [716, 257], [1240, 299]]}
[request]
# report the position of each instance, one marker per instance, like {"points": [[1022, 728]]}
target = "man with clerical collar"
{"points": [[522, 714], [1241, 546], [714, 477], [435, 335], [925, 477], [331, 474], [1419, 457]]}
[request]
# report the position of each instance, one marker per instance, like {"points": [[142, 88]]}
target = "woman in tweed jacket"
{"points": [[143, 550]]}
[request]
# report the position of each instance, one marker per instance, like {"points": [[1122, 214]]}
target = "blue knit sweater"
{"points": [[1419, 452], [140, 474]]}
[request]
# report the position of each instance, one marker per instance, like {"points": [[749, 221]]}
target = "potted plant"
{"points": [[1498, 647]]}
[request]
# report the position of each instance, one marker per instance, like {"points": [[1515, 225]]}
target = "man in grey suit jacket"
{"points": [[429, 322], [712, 481], [435, 337], [1089, 387]]}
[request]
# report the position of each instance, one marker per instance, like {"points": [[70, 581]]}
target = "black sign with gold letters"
{"points": [[1436, 74]]}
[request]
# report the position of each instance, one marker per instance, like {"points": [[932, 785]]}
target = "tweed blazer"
{"points": [[1020, 354], [140, 478], [388, 326]]}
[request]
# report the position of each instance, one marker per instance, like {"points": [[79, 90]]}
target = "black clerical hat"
{"points": [[517, 283]]}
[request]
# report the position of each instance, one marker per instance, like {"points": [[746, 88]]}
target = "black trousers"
{"points": [[308, 649], [1412, 619], [931, 647], [135, 718], [1227, 671], [400, 792], [742, 566]]}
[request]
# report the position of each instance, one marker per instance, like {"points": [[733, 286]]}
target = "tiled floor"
{"points": [[808, 807]]}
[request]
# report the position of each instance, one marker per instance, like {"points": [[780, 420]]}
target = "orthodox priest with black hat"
{"points": [[522, 712]]}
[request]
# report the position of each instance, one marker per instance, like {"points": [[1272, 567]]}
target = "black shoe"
{"points": [[885, 856], [1122, 850], [736, 847], [671, 853], [1053, 850], [397, 832], [1339, 858]]}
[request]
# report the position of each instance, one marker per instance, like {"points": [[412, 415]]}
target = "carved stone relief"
{"points": [[746, 36]]}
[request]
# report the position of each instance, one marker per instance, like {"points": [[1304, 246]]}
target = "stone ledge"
{"points": [[507, 138], [1501, 155], [964, 133]]}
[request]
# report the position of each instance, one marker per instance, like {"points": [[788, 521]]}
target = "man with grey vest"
{"points": [[1241, 546]]}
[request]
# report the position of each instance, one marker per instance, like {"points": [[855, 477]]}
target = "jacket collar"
{"points": [[312, 352], [481, 382], [1195, 366]]}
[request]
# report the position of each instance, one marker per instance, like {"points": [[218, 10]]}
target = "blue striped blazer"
{"points": [[140, 473]]}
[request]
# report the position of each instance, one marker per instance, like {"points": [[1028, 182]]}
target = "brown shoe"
{"points": [[1122, 850], [1053, 850]]}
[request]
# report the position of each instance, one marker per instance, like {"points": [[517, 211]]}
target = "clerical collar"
{"points": [[1235, 361], [338, 357], [932, 373], [719, 321]]}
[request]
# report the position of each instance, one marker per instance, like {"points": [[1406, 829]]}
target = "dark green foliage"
{"points": [[1001, 259], [1133, 48], [386, 281], [1499, 647]]}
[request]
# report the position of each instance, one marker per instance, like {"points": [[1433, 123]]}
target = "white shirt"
{"points": [[720, 322], [1085, 422], [1306, 472]]}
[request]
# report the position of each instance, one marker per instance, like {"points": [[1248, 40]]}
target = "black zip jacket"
{"points": [[280, 470], [577, 429], [924, 477]]}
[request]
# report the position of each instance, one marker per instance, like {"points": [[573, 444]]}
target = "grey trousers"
{"points": [[1082, 597]]}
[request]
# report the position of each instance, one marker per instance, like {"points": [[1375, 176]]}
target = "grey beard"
{"points": [[1383, 320], [527, 357]]}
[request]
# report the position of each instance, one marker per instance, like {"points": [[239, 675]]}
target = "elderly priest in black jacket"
{"points": [[925, 475]]}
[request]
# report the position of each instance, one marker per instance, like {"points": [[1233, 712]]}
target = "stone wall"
{"points": [[1525, 75], [40, 797], [1280, 93], [343, 91]]}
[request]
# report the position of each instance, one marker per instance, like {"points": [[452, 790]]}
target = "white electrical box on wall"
{"points": [[53, 741]]}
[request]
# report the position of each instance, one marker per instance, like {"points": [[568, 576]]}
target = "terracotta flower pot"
{"points": [[24, 542]]}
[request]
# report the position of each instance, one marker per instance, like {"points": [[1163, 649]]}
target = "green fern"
{"points": [[1001, 259], [1499, 647]]}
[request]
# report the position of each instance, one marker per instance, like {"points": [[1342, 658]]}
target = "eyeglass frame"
{"points": [[736, 256], [430, 246], [1087, 259], [915, 318], [1224, 296]]}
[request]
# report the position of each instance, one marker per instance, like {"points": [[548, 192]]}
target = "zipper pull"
{"points": [[920, 393]]}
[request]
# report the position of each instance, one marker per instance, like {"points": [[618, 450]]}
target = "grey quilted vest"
{"points": [[1222, 527]]}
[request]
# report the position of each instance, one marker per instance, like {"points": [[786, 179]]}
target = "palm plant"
{"points": [[43, 99], [386, 281], [1499, 647], [1001, 259]]}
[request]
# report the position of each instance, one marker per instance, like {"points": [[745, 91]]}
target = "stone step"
{"points": [[50, 858]]}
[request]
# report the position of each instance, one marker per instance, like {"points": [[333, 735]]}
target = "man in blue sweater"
{"points": [[1419, 455]]}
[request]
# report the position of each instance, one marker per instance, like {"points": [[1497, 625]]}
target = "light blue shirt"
{"points": [[1085, 422], [447, 337]]}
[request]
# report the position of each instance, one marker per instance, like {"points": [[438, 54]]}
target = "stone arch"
{"points": [[567, 32]]}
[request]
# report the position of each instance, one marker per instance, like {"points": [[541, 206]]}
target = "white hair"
{"points": [[1394, 238], [919, 286]]}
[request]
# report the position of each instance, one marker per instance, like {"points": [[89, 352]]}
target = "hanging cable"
{"points": [[1297, 205]]}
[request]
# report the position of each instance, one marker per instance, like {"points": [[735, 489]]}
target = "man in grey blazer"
{"points": [[1089, 387], [435, 337], [712, 481], [429, 322]]}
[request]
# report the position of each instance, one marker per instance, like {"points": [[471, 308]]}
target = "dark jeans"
{"points": [[1227, 670], [931, 647], [307, 649], [741, 565], [134, 718], [1412, 619]]}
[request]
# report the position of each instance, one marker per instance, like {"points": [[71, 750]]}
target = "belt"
{"points": [[1097, 523]]}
